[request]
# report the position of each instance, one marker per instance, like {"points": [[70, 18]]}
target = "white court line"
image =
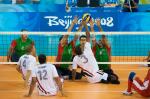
{"points": [[23, 81], [102, 91], [139, 69]]}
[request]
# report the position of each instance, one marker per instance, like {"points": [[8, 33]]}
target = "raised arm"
{"points": [[74, 22], [33, 50], [65, 37], [91, 25], [87, 31], [98, 22]]}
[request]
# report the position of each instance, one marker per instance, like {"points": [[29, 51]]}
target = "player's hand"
{"points": [[75, 20], [91, 23], [26, 84], [98, 22], [27, 95], [70, 67], [63, 94], [8, 59]]}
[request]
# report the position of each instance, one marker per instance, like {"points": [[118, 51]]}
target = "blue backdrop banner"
{"points": [[38, 21]]}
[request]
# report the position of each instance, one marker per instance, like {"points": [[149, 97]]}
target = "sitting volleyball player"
{"points": [[86, 61], [141, 87], [66, 51], [101, 51], [46, 77], [26, 64]]}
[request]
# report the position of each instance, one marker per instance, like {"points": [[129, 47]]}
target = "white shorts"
{"points": [[98, 77]]}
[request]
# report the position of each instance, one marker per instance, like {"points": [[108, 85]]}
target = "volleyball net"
{"points": [[125, 46]]}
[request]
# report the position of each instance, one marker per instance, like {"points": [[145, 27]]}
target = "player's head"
{"points": [[29, 48], [78, 50], [24, 36], [93, 41], [42, 58], [82, 39], [100, 43], [104, 40], [103, 36]]}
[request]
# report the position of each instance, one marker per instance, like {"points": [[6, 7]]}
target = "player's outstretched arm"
{"points": [[11, 49], [32, 86], [87, 31], [73, 74], [27, 77], [65, 37], [60, 85], [91, 25], [9, 54], [98, 23], [75, 20], [18, 69], [34, 49]]}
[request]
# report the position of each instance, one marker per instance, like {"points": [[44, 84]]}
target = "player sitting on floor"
{"points": [[86, 61], [141, 87], [26, 64], [46, 77], [102, 51]]}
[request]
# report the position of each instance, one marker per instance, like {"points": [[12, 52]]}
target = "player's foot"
{"points": [[104, 81], [115, 82], [65, 77], [127, 93], [143, 65]]}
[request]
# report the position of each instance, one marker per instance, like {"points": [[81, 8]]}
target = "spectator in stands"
{"points": [[19, 47], [20, 1], [130, 6], [36, 1]]}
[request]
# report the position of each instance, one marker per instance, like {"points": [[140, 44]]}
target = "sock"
{"points": [[131, 76], [129, 86]]}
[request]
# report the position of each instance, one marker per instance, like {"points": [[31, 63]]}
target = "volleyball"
{"points": [[86, 17]]}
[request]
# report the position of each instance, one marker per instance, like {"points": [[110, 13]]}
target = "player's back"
{"points": [[27, 62], [45, 74]]}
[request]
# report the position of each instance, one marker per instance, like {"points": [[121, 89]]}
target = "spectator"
{"points": [[130, 6]]}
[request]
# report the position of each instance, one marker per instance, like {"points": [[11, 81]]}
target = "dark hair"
{"points": [[23, 30], [61, 38], [42, 58], [82, 36], [78, 50], [103, 36]]}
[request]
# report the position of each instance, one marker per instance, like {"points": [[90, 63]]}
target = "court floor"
{"points": [[11, 85]]}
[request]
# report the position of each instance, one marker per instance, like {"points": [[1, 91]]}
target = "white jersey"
{"points": [[88, 63], [45, 74], [26, 62]]}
